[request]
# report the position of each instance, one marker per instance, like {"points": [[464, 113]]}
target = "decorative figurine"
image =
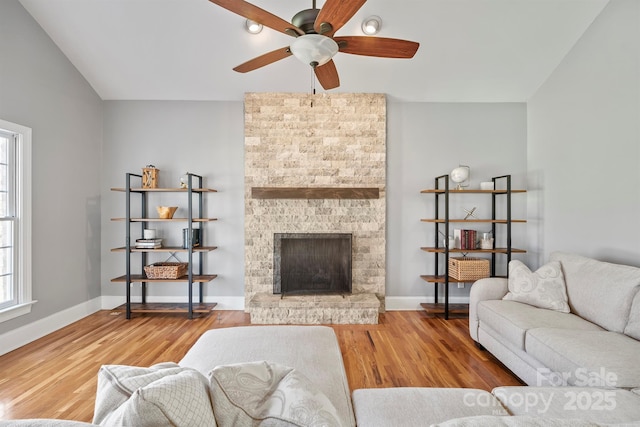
{"points": [[150, 177]]}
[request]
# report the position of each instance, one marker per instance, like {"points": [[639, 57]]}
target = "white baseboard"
{"points": [[31, 332], [228, 303], [224, 303], [413, 303], [110, 302]]}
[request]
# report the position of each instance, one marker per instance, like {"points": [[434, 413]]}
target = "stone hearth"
{"points": [[335, 142], [359, 309]]}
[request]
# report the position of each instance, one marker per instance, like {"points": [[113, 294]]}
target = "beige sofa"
{"points": [[596, 344], [503, 406], [234, 376]]}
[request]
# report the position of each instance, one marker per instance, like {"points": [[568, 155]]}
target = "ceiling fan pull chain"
{"points": [[313, 85]]}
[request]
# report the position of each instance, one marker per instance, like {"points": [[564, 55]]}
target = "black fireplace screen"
{"points": [[311, 263]]}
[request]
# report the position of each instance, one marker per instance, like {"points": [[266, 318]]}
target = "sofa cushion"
{"points": [[586, 358], [420, 406], [633, 325], [312, 350], [162, 395], [263, 392], [598, 291], [512, 320], [518, 361], [544, 288], [600, 405], [517, 421]]}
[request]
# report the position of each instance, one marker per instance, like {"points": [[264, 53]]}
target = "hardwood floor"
{"points": [[55, 376]]}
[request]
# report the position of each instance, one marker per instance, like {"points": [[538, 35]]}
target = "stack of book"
{"points": [[466, 239], [148, 243]]}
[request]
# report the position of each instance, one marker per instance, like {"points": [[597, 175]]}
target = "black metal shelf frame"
{"points": [[144, 255], [444, 181]]}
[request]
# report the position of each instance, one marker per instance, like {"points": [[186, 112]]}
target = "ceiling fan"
{"points": [[315, 43]]}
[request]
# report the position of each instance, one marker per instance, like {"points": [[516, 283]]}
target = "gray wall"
{"points": [[206, 138], [428, 140], [584, 145], [424, 140], [39, 88]]}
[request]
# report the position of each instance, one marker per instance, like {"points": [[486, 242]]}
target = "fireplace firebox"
{"points": [[312, 263]]}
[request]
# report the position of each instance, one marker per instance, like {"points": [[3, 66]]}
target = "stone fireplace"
{"points": [[315, 164]]}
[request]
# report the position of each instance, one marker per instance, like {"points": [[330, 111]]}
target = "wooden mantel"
{"points": [[314, 193]]}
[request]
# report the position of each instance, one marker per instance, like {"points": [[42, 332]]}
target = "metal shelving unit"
{"points": [[442, 222], [194, 215]]}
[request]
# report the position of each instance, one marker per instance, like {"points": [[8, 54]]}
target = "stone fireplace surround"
{"points": [[324, 157]]}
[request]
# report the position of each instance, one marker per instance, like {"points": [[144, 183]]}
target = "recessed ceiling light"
{"points": [[371, 25], [252, 27]]}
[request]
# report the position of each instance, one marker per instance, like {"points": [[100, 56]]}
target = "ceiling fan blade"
{"points": [[377, 46], [261, 16], [337, 13], [327, 75], [262, 60]]}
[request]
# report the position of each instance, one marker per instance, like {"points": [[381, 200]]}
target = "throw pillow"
{"points": [[545, 288], [116, 384], [632, 328], [263, 393], [162, 395]]}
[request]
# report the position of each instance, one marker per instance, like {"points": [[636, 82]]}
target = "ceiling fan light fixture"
{"points": [[252, 27], [314, 49], [371, 25]]}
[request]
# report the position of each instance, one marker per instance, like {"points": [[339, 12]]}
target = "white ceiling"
{"points": [[470, 50]]}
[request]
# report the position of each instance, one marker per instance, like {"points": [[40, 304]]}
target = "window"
{"points": [[15, 220], [8, 295]]}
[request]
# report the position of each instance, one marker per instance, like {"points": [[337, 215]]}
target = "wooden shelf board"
{"points": [[165, 190], [314, 193], [477, 191], [485, 251], [142, 278], [490, 221], [167, 249], [438, 308], [165, 219], [167, 307], [441, 279]]}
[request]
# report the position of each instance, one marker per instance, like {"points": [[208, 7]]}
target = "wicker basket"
{"points": [[470, 269], [166, 270]]}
